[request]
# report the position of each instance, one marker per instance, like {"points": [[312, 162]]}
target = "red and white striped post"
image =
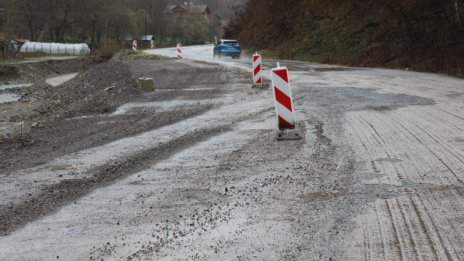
{"points": [[179, 51], [283, 98], [134, 45], [152, 44], [257, 77]]}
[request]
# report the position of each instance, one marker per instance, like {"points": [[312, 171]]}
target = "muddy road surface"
{"points": [[193, 171]]}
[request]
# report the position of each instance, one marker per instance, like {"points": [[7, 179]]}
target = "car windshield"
{"points": [[230, 42]]}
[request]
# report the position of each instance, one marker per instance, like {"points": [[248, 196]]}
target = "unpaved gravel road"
{"points": [[193, 171]]}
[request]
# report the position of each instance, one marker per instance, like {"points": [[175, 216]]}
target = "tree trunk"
{"points": [[94, 28], [456, 9]]}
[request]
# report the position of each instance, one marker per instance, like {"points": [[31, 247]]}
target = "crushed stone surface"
{"points": [[193, 170]]}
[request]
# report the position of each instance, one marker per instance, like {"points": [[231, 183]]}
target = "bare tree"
{"points": [[456, 9], [34, 17]]}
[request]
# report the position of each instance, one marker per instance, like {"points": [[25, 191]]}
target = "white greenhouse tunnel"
{"points": [[56, 48]]}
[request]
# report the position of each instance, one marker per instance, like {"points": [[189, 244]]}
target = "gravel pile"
{"points": [[98, 90]]}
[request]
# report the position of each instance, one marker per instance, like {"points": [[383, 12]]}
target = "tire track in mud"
{"points": [[440, 127], [412, 228], [230, 203], [382, 234], [447, 128], [402, 131], [391, 155], [420, 156], [375, 151], [442, 145], [282, 190], [433, 153], [53, 197], [433, 199], [413, 225], [390, 208], [441, 114], [407, 235], [414, 145], [452, 114], [396, 242], [408, 232], [425, 229]]}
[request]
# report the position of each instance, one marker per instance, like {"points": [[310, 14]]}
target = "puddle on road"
{"points": [[8, 86], [354, 99], [9, 97], [12, 87]]}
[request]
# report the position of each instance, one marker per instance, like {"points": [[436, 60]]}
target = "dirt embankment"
{"points": [[98, 88], [36, 72], [33, 99]]}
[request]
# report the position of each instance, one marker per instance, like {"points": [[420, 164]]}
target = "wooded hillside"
{"points": [[98, 21], [424, 35]]}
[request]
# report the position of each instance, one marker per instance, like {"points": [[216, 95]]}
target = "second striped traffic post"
{"points": [[134, 45], [257, 67], [179, 51]]}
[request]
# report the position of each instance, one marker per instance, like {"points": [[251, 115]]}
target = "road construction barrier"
{"points": [[257, 66], [179, 51], [134, 45], [283, 98], [152, 44]]}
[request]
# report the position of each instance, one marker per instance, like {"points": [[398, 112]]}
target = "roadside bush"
{"points": [[109, 50]]}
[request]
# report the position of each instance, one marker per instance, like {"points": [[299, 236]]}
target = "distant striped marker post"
{"points": [[283, 103], [257, 67], [134, 45], [179, 51]]}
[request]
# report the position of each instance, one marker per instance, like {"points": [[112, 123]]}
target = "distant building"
{"points": [[145, 40], [188, 23], [188, 10], [147, 37]]}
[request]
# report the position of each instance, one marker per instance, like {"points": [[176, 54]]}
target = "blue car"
{"points": [[227, 48]]}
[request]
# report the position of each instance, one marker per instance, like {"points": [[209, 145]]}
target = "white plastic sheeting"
{"points": [[56, 48]]}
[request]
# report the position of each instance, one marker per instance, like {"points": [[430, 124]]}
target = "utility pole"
{"points": [[145, 36]]}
